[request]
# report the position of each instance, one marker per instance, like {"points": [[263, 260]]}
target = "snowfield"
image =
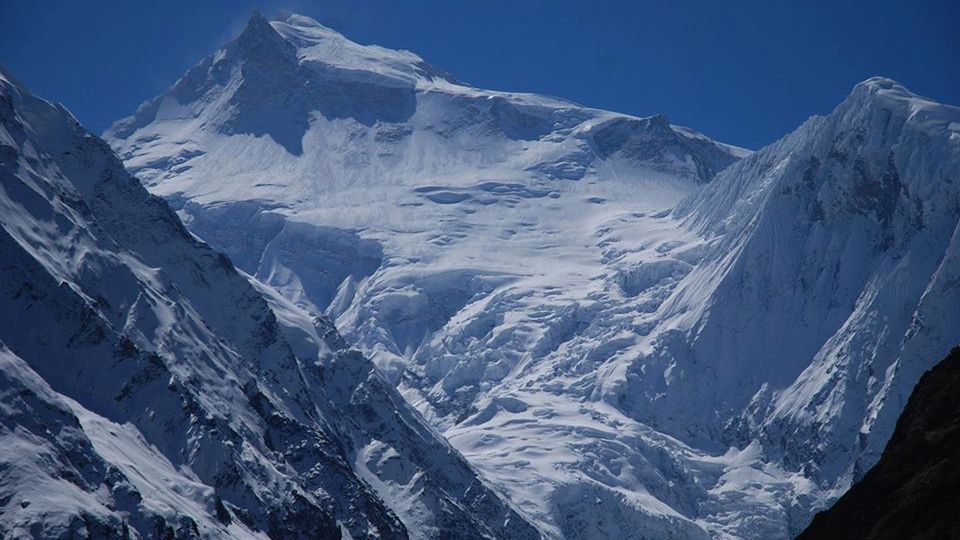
{"points": [[625, 328]]}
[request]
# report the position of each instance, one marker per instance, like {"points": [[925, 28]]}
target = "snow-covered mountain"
{"points": [[631, 329], [149, 389], [834, 265], [320, 138]]}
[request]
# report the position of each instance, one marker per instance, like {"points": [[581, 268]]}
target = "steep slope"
{"points": [[619, 363], [912, 492], [151, 390], [835, 253]]}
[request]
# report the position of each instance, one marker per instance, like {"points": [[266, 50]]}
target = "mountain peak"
{"points": [[659, 120], [880, 82], [323, 46], [881, 93], [257, 23], [263, 45], [881, 87], [302, 21]]}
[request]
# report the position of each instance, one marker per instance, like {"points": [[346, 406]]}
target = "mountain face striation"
{"points": [[630, 329]]}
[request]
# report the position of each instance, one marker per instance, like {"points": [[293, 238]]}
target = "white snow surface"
{"points": [[631, 330]]}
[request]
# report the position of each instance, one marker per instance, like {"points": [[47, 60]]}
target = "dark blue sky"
{"points": [[745, 72]]}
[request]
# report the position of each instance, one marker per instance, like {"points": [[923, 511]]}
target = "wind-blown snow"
{"points": [[617, 362]]}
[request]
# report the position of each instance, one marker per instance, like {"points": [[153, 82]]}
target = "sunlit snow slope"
{"points": [[619, 363], [149, 389]]}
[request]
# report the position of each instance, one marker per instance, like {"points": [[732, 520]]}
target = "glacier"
{"points": [[626, 328]]}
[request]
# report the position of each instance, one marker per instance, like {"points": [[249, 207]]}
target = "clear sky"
{"points": [[744, 72]]}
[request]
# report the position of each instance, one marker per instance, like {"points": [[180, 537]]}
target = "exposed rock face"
{"points": [[914, 490]]}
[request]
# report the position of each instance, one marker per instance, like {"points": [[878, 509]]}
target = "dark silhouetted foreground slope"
{"points": [[914, 491]]}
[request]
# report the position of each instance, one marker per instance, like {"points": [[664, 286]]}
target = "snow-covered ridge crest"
{"points": [[312, 68], [319, 45]]}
